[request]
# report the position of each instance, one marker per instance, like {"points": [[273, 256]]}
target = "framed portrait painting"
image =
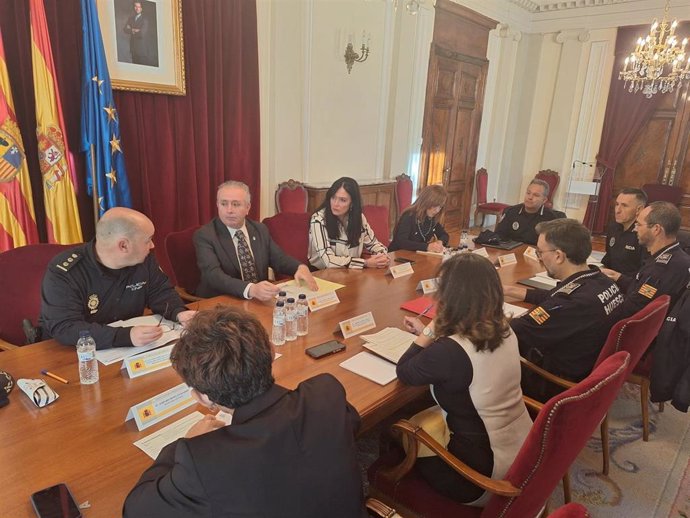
{"points": [[144, 44]]}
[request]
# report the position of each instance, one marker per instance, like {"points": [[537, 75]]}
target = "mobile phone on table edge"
{"points": [[324, 349]]}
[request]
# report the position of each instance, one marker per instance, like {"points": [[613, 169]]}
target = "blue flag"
{"points": [[100, 126]]}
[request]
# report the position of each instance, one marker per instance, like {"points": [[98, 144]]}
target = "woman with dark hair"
{"points": [[469, 356], [419, 228], [339, 232], [273, 458]]}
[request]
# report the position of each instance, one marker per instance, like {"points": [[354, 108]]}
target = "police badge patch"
{"points": [[647, 291], [612, 242], [93, 303], [516, 225], [539, 315]]}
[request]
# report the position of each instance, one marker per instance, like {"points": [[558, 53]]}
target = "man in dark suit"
{"points": [[285, 454], [137, 27], [234, 253]]}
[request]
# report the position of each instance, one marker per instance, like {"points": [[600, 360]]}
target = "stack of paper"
{"points": [[171, 331], [390, 343], [293, 288], [371, 367]]}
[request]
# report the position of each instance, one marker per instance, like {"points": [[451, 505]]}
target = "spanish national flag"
{"points": [[17, 217], [59, 180]]}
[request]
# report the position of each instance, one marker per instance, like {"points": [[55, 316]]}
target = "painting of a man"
{"points": [[142, 31]]}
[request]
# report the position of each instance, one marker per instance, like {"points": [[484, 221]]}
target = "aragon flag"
{"points": [[100, 127], [59, 180], [17, 217]]}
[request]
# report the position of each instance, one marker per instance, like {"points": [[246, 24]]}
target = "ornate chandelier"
{"points": [[659, 63]]}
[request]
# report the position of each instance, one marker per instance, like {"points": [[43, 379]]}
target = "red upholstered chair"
{"points": [[495, 208], [403, 192], [659, 192], [291, 196], [560, 431], [376, 508], [633, 335], [377, 217], [553, 179], [571, 511], [179, 247], [290, 231], [21, 275]]}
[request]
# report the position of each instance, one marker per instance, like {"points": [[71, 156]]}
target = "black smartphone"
{"points": [[403, 260], [55, 502], [324, 349]]}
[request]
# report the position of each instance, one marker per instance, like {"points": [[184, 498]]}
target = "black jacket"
{"points": [[517, 224]]}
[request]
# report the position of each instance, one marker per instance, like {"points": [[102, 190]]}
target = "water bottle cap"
{"points": [[282, 294], [84, 333], [280, 304], [302, 296], [291, 300]]}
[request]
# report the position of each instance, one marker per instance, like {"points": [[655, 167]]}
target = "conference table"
{"points": [[82, 439]]}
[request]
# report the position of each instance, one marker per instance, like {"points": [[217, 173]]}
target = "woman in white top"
{"points": [[339, 232], [470, 357]]}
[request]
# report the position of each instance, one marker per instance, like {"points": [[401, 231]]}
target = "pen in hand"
{"points": [[426, 310]]}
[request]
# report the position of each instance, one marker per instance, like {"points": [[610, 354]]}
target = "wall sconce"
{"points": [[351, 57]]}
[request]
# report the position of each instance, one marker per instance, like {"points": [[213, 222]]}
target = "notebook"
{"points": [[390, 343]]}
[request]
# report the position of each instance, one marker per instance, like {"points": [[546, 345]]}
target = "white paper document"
{"points": [[512, 311], [152, 444], [371, 367], [390, 343], [595, 258], [171, 331]]}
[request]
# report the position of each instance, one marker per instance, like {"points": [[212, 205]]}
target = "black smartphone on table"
{"points": [[55, 502], [324, 349], [403, 260]]}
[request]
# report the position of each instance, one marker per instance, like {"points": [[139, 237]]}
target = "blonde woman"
{"points": [[418, 228]]}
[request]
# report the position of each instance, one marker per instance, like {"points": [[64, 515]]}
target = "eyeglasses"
{"points": [[540, 253]]}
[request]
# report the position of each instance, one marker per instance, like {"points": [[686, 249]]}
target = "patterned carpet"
{"points": [[646, 480]]}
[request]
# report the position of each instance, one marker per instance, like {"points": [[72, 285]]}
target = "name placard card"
{"points": [[428, 285], [506, 260], [531, 253], [150, 361], [400, 270], [481, 251], [159, 407], [356, 325], [323, 300]]}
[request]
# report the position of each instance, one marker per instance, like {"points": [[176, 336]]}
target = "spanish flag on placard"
{"points": [[59, 180], [17, 217]]}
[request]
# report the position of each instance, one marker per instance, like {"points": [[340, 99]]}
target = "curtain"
{"points": [[626, 114], [177, 149]]}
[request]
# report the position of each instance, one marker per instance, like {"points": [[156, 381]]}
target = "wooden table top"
{"points": [[83, 440]]}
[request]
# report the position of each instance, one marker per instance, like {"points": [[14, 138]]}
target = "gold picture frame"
{"points": [[144, 45]]}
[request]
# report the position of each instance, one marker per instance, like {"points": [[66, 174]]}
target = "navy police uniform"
{"points": [[624, 253], [666, 272], [518, 225], [79, 293], [565, 332]]}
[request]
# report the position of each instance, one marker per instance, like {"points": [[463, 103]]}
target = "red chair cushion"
{"points": [[290, 231], [22, 275], [179, 247], [493, 207], [377, 217], [403, 193], [291, 198], [660, 192]]}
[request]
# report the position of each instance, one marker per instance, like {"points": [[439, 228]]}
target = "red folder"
{"points": [[419, 305]]}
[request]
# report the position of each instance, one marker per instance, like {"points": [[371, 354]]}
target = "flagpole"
{"points": [[94, 187]]}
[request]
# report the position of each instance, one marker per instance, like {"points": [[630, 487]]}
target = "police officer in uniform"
{"points": [[566, 330], [519, 221], [624, 253], [110, 278], [667, 271]]}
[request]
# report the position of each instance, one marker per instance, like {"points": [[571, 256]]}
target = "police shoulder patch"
{"points": [[664, 258], [67, 263], [647, 290], [539, 315], [569, 288]]}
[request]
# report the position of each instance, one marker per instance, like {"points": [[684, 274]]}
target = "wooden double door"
{"points": [[659, 154], [454, 103]]}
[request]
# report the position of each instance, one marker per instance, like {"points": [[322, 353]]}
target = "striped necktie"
{"points": [[246, 259]]}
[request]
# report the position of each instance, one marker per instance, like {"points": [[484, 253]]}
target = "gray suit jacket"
{"points": [[217, 258]]}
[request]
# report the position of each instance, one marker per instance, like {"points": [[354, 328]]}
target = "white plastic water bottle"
{"points": [[281, 297], [278, 333], [88, 364], [302, 315], [464, 241], [290, 320]]}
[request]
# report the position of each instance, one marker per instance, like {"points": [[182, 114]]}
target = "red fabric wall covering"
{"points": [[177, 149]]}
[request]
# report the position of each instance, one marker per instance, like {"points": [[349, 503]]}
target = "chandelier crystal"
{"points": [[659, 62]]}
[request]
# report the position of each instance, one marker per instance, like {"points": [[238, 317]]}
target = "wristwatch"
{"points": [[428, 333]]}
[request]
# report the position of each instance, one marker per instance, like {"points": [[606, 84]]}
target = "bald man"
{"points": [[113, 277]]}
